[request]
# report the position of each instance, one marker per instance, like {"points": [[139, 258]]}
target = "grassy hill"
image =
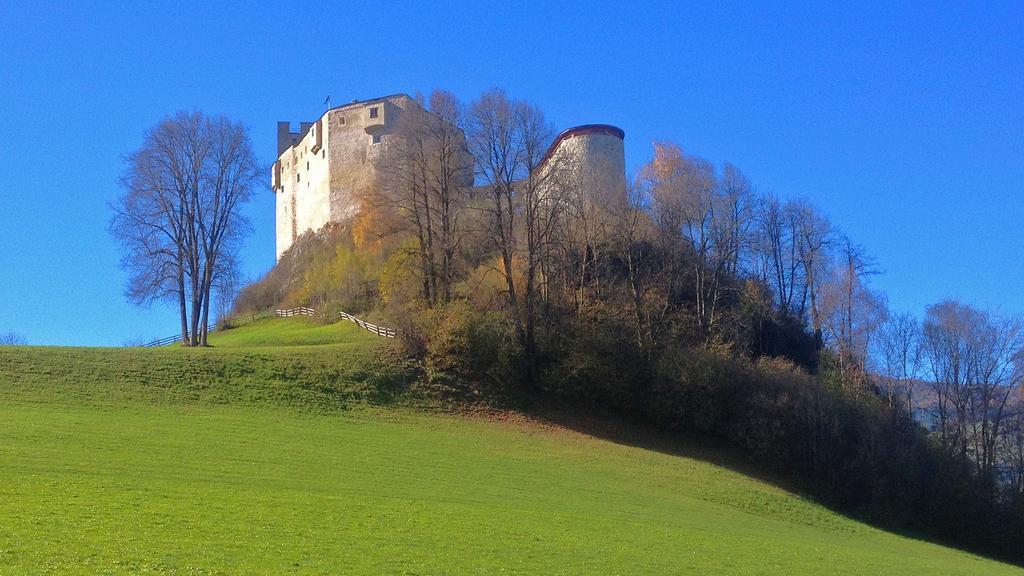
{"points": [[288, 448], [297, 331]]}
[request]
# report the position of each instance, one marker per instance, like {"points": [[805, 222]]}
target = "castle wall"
{"points": [[353, 132], [318, 178], [303, 189]]}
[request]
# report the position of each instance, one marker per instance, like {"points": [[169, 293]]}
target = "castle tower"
{"points": [[595, 156]]}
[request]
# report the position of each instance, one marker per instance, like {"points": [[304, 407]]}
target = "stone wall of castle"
{"points": [[322, 168], [302, 186]]}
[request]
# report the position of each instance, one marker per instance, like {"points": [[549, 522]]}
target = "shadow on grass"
{"points": [[614, 428], [635, 434]]}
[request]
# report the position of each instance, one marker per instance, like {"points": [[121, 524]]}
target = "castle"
{"points": [[320, 168]]}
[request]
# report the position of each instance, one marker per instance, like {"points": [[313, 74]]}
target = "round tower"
{"points": [[595, 154]]}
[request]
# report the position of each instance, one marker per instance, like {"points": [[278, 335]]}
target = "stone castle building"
{"points": [[321, 167]]}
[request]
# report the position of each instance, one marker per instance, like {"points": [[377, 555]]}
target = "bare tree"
{"points": [[452, 180], [685, 196], [815, 237], [998, 345], [585, 227], [851, 312], [947, 338], [11, 339], [179, 217], [634, 235], [712, 215], [151, 216], [495, 143], [778, 245], [975, 359], [426, 177], [541, 193], [509, 140], [734, 220], [1015, 441], [401, 201], [404, 192], [227, 287], [899, 349]]}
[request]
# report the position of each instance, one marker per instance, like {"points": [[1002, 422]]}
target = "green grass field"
{"points": [[287, 449], [298, 331]]}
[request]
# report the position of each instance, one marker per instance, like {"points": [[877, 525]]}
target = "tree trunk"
{"points": [[182, 310]]}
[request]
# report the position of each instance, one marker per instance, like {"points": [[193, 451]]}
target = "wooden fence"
{"points": [[298, 312], [288, 313], [171, 339], [378, 330]]}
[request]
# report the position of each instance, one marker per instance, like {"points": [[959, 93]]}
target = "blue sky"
{"points": [[905, 124]]}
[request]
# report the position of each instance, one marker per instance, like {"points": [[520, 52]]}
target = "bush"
{"points": [[466, 354], [592, 362], [341, 278], [299, 275]]}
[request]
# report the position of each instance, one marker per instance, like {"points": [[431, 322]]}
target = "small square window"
{"points": [[342, 119], [376, 138], [373, 112]]}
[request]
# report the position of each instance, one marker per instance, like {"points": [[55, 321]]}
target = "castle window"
{"points": [[298, 177], [342, 119], [376, 139], [373, 112], [307, 165]]}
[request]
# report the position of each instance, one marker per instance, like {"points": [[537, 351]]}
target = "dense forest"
{"points": [[697, 304]]}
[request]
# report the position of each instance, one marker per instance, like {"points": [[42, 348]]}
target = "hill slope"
{"points": [[254, 459]]}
